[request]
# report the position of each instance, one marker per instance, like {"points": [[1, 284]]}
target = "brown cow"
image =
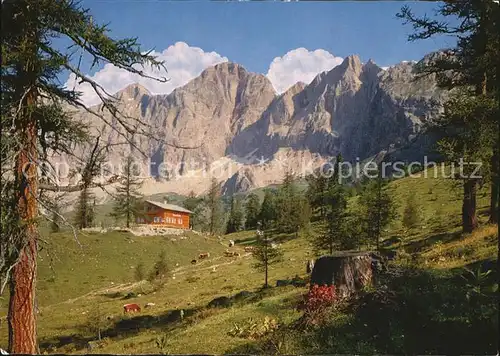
{"points": [[204, 255], [127, 308]]}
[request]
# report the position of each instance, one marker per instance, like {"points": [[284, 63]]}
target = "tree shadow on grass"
{"points": [[128, 326], [411, 311], [124, 327], [416, 311], [419, 245]]}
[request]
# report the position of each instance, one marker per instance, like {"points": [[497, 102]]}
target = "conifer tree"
{"points": [[377, 210], [127, 200], [252, 210], [293, 211], [235, 221], [84, 217], [268, 210], [473, 66], [266, 253], [336, 213], [194, 203], [214, 206], [39, 41]]}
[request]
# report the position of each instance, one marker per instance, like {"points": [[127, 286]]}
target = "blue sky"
{"points": [[255, 33]]}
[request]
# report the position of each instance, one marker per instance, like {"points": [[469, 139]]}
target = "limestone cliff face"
{"points": [[354, 109], [228, 114]]}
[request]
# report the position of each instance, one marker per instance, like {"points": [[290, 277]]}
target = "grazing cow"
{"points": [[249, 248], [127, 308], [204, 255], [193, 262], [231, 253], [231, 243]]}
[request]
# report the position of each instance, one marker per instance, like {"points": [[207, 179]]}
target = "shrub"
{"points": [[254, 330], [160, 268], [316, 302], [318, 298], [139, 272]]}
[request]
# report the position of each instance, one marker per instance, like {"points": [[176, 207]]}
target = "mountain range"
{"points": [[231, 124]]}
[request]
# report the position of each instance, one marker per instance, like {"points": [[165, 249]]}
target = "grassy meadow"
{"points": [[423, 307]]}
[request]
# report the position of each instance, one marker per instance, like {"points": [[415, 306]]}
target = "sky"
{"points": [[287, 42]]}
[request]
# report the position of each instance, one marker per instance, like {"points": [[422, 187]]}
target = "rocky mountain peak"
{"points": [[231, 115], [133, 91], [352, 63], [295, 89]]}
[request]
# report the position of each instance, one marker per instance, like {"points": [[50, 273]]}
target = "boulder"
{"points": [[220, 302], [347, 271]]}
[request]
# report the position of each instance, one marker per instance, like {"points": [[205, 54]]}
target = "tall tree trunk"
{"points": [[266, 261], [495, 187], [22, 316], [469, 218]]}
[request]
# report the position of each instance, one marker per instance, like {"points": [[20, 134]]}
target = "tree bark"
{"points": [[22, 316], [347, 271], [495, 189], [469, 218]]}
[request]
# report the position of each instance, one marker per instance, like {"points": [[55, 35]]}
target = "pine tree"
{"points": [[235, 221], [268, 214], [411, 213], [336, 213], [192, 201], [194, 204], [55, 223], [252, 210], [56, 206], [127, 200], [377, 210], [469, 134], [214, 206], [286, 205], [266, 253], [85, 216], [336, 220], [160, 268], [39, 40], [303, 214], [473, 66], [317, 192]]}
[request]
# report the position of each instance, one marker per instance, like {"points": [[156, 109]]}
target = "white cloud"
{"points": [[300, 65], [182, 62]]}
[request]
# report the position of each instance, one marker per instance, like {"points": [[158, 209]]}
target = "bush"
{"points": [[316, 302], [139, 272], [160, 268], [411, 214], [253, 330]]}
